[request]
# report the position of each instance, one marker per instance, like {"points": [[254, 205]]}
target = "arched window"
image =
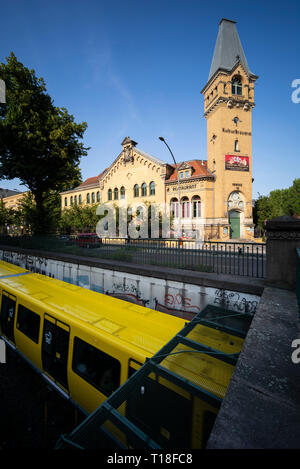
{"points": [[75, 200], [185, 207], [71, 200], [174, 207], [88, 199], [236, 145], [122, 192], [93, 197], [136, 190], [116, 193], [152, 188], [98, 196], [236, 85], [144, 189], [66, 201], [109, 194], [196, 204], [80, 199]]}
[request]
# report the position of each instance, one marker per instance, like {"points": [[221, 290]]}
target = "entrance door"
{"points": [[8, 308], [234, 221], [55, 349]]}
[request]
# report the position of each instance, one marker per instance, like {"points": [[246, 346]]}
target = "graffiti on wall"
{"points": [[235, 301], [128, 292], [175, 298]]}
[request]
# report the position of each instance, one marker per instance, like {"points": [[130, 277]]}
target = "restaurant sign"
{"points": [[237, 163]]}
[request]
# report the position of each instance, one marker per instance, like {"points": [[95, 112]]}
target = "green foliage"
{"points": [[78, 218], [279, 202], [5, 217], [38, 141]]}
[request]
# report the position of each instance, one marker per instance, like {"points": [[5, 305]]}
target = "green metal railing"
{"points": [[235, 258]]}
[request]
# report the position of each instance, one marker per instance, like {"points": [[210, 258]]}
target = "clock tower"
{"points": [[228, 104]]}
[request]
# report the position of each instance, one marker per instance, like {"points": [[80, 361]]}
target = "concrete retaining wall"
{"points": [[179, 297]]}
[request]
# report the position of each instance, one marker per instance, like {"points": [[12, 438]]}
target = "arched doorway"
{"points": [[234, 222]]}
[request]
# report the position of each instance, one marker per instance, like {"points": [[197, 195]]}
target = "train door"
{"points": [[8, 309], [161, 410], [55, 349]]}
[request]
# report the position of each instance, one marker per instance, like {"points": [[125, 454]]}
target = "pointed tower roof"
{"points": [[228, 49]]}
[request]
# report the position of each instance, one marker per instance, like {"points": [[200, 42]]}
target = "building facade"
{"points": [[12, 199], [212, 197]]}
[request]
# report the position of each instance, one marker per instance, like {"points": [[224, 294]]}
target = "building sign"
{"points": [[237, 132], [185, 188], [237, 163]]}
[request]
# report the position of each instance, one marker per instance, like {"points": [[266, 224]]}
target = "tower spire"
{"points": [[228, 49]]}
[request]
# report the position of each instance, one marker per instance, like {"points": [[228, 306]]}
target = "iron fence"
{"points": [[235, 258]]}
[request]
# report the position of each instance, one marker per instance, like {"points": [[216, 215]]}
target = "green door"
{"points": [[234, 221]]}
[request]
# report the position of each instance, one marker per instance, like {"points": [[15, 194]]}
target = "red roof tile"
{"points": [[92, 180], [199, 170]]}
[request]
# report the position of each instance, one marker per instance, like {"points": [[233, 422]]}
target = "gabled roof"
{"points": [[199, 170], [228, 50], [146, 155], [91, 180]]}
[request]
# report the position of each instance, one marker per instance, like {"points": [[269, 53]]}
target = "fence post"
{"points": [[283, 237]]}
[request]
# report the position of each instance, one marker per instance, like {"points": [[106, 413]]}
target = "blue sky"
{"points": [[136, 68]]}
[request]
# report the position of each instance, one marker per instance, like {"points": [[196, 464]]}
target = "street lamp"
{"points": [[179, 206]]}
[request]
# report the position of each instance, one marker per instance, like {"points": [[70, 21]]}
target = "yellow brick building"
{"points": [[13, 201], [215, 194]]}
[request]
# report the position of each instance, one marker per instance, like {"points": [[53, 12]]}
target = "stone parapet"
{"points": [[283, 237]]}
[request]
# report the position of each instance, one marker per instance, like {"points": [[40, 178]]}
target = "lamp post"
{"points": [[179, 206]]}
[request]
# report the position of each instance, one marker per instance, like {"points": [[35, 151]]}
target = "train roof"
{"points": [[136, 326], [142, 327], [10, 269]]}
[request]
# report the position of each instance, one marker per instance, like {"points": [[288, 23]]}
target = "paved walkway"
{"points": [[261, 408]]}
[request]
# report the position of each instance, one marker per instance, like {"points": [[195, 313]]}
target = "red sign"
{"points": [[237, 163]]}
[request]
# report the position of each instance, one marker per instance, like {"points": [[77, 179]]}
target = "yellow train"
{"points": [[87, 344]]}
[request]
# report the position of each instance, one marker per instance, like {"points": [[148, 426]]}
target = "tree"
{"points": [[292, 200], [279, 202], [78, 218], [39, 143], [5, 217]]}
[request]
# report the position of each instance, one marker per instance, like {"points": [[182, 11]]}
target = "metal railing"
{"points": [[247, 259], [233, 258]]}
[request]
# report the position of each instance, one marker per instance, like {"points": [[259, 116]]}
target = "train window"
{"points": [[28, 322], [98, 368], [7, 316]]}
